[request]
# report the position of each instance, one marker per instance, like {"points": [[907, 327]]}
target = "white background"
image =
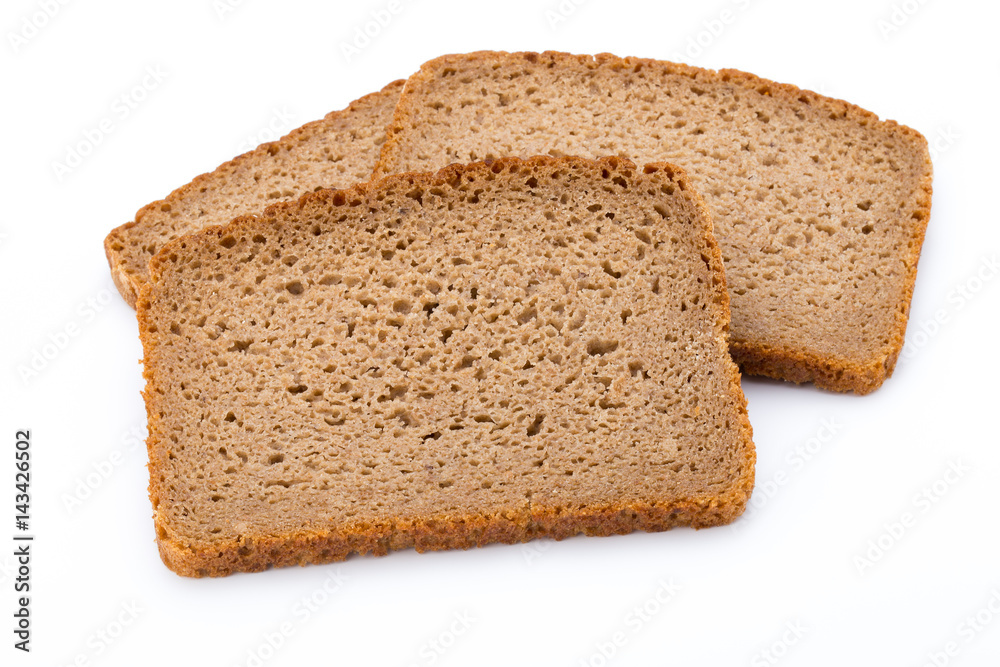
{"points": [[792, 561]]}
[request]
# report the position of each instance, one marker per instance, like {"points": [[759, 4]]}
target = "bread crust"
{"points": [[129, 283], [800, 365], [254, 552]]}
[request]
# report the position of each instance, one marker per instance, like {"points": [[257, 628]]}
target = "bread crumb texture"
{"points": [[819, 207], [492, 353]]}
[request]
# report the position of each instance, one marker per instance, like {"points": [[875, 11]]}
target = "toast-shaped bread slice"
{"points": [[336, 151], [819, 207], [492, 353]]}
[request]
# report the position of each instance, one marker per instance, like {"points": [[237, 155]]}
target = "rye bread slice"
{"points": [[819, 207], [336, 151], [492, 353]]}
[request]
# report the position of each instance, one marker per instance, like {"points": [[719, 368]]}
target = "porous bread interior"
{"points": [[819, 208], [336, 151], [509, 341]]}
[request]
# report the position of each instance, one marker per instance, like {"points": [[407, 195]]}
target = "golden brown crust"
{"points": [[256, 552], [824, 372], [129, 283], [754, 358], [112, 244]]}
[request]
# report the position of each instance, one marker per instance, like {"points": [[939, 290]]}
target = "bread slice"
{"points": [[819, 207], [496, 352], [336, 151]]}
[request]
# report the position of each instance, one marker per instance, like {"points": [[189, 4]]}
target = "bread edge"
{"points": [[129, 284], [792, 365], [253, 553]]}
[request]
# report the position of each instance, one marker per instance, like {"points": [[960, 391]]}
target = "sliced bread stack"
{"points": [[509, 347]]}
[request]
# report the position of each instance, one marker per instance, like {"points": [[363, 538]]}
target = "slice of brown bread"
{"points": [[819, 207], [492, 353], [335, 151]]}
